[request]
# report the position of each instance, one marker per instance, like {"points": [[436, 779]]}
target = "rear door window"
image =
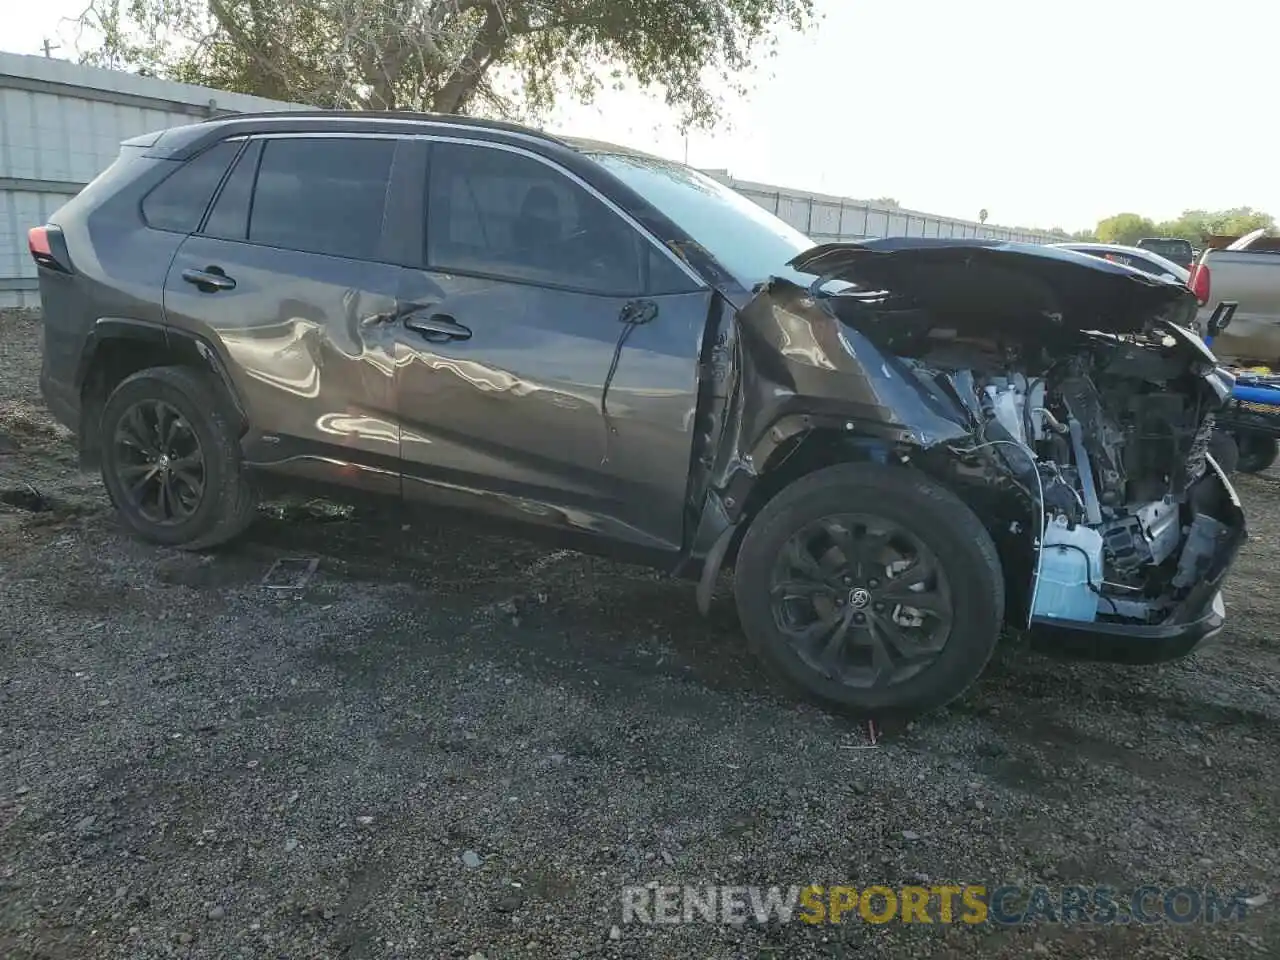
{"points": [[179, 201], [322, 195]]}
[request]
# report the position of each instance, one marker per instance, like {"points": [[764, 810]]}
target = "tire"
{"points": [[945, 531], [1224, 449], [1257, 451], [211, 504]]}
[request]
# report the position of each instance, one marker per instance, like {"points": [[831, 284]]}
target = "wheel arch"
{"points": [[797, 447], [118, 347], [789, 450]]}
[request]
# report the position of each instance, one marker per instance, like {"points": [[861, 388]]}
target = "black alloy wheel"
{"points": [[862, 600], [873, 589], [171, 459], [159, 462]]}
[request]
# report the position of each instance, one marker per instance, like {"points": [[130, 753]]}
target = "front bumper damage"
{"points": [[846, 371], [1191, 627]]}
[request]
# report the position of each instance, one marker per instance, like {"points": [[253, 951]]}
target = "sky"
{"points": [[1045, 113]]}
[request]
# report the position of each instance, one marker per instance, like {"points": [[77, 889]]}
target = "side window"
{"points": [[499, 213], [178, 202], [229, 218], [322, 195], [1145, 265]]}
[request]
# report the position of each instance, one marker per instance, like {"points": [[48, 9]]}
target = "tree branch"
{"points": [[485, 47]]}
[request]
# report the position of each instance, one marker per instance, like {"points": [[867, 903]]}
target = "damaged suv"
{"points": [[898, 446]]}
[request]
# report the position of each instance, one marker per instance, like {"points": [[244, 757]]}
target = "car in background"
{"points": [[1140, 259], [1171, 248], [1245, 272]]}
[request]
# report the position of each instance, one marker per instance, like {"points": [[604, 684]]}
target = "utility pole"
{"points": [[49, 48]]}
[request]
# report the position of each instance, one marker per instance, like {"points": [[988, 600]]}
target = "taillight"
{"points": [[1199, 282], [49, 248]]}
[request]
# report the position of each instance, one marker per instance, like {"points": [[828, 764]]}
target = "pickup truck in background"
{"points": [[1171, 248], [1247, 271]]}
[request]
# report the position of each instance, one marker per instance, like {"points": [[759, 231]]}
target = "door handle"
{"points": [[437, 327], [208, 280]]}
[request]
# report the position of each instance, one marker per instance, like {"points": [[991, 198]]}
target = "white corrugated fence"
{"points": [[61, 124]]}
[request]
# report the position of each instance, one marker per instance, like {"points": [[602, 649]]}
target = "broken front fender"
{"points": [[801, 366]]}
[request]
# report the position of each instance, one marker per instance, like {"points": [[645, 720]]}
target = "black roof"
{"points": [[399, 116], [183, 142]]}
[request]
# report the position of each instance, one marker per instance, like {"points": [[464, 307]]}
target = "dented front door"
{"points": [[533, 384]]}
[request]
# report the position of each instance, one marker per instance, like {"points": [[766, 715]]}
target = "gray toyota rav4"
{"points": [[897, 446]]}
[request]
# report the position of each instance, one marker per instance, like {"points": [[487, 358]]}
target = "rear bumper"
{"points": [[62, 399], [1192, 625]]}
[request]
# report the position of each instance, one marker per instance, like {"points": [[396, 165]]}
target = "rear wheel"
{"points": [[1225, 450], [1258, 451], [171, 461], [874, 589]]}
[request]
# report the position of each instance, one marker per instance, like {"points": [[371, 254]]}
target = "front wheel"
{"points": [[874, 589]]}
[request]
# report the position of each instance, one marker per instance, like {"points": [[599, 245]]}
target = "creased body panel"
{"points": [[513, 421], [304, 339]]}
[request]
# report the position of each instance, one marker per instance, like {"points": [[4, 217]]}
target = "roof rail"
{"points": [[404, 116]]}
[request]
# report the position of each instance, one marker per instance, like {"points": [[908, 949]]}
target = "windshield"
{"points": [[748, 241], [1174, 249]]}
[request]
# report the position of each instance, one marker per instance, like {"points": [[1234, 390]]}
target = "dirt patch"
{"points": [[449, 745]]}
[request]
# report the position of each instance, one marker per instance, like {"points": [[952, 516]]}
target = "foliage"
{"points": [[1126, 228], [450, 56], [1194, 225]]}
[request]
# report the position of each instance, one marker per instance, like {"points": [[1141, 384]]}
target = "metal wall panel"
{"points": [[859, 219], [795, 210], [61, 125], [20, 210]]}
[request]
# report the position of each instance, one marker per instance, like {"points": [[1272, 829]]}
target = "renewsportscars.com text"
{"points": [[1006, 905]]}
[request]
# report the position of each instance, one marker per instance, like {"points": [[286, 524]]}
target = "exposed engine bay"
{"points": [[1108, 442], [1063, 398]]}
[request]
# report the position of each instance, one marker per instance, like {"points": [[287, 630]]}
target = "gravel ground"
{"points": [[466, 747]]}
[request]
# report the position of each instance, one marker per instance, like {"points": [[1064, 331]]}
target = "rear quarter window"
{"points": [[179, 201]]}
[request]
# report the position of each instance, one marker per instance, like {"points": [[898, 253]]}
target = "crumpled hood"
{"points": [[989, 280]]}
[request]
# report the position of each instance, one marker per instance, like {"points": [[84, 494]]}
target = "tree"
{"points": [[1195, 226], [1126, 228], [1238, 221], [449, 56]]}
